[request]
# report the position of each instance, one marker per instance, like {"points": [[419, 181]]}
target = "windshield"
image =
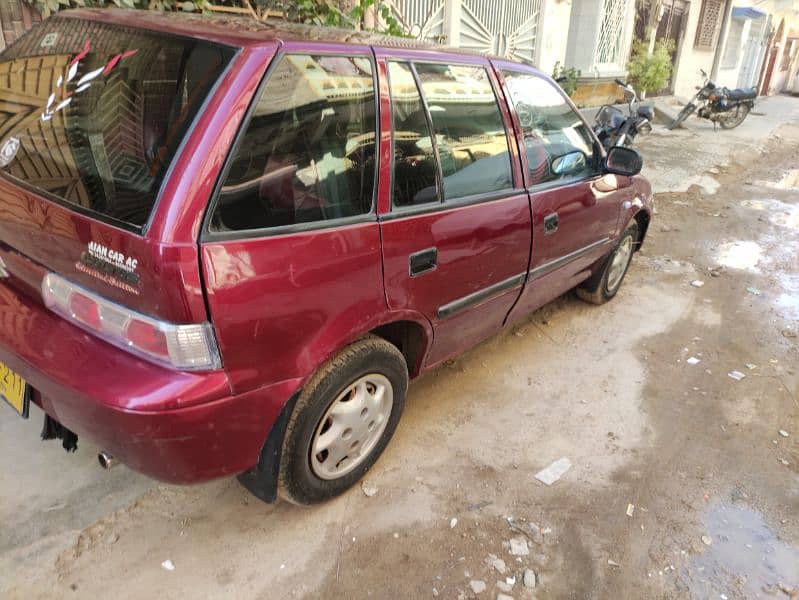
{"points": [[92, 114]]}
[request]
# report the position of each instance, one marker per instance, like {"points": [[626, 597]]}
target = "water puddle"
{"points": [[739, 255], [789, 181], [745, 558], [778, 213], [788, 300]]}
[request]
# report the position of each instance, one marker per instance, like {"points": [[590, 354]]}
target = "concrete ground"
{"points": [[684, 481]]}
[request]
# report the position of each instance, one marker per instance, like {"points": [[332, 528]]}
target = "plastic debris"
{"points": [[478, 587], [452, 522], [753, 290], [707, 540], [693, 360], [553, 472], [630, 510], [697, 283], [369, 489], [168, 565], [736, 375], [750, 366], [784, 433], [613, 563], [518, 547]]}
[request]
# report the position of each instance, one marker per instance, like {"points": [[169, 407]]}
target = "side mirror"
{"points": [[569, 164], [623, 161]]}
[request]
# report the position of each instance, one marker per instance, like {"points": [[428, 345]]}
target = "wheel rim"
{"points": [[619, 263], [351, 427]]}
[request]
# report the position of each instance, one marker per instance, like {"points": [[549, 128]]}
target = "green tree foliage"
{"points": [[566, 78], [650, 72]]}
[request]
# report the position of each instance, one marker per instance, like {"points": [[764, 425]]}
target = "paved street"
{"points": [[682, 484]]}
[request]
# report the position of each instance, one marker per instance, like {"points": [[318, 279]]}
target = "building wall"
{"points": [[691, 58], [554, 25], [16, 17]]}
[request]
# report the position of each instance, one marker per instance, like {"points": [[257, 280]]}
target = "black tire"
{"points": [[297, 481], [741, 112], [596, 289], [686, 112]]}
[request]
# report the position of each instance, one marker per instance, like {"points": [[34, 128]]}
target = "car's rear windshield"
{"points": [[92, 114]]}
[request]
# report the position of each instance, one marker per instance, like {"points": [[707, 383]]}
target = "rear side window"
{"points": [[93, 114], [551, 128], [308, 154], [470, 134]]}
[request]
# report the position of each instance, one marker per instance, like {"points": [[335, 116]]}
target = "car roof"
{"points": [[246, 31]]}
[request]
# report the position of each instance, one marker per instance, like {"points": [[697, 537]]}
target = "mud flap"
{"points": [[261, 480], [53, 430]]}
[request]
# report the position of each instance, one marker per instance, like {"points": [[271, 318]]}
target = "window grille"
{"points": [[611, 33], [707, 30]]}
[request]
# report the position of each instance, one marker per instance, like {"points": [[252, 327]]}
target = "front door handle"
{"points": [[423, 261]]}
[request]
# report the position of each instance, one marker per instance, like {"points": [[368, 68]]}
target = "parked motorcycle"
{"points": [[720, 105], [613, 128]]}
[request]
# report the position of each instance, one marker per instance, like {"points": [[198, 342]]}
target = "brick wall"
{"points": [[16, 17]]}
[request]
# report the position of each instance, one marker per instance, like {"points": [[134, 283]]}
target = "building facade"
{"points": [[739, 43]]}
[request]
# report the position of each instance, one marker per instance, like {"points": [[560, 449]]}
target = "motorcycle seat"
{"points": [[741, 94]]}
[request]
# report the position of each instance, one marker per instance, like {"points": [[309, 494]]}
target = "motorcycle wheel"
{"points": [[687, 110], [740, 114]]}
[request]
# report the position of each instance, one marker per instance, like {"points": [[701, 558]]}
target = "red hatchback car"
{"points": [[225, 247]]}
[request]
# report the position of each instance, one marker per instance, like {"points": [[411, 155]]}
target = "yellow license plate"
{"points": [[14, 390]]}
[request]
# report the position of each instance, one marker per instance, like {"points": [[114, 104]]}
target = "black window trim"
{"points": [[395, 211], [140, 230], [209, 235], [597, 154]]}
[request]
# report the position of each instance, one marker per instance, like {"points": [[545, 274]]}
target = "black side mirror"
{"points": [[569, 164], [623, 161]]}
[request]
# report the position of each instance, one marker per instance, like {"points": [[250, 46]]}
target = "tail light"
{"points": [[189, 347]]}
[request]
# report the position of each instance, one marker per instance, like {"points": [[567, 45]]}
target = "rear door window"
{"points": [[470, 135], [93, 113], [308, 153], [415, 167]]}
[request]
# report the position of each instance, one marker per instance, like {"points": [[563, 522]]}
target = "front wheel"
{"points": [[686, 112], [605, 283], [740, 113], [342, 421]]}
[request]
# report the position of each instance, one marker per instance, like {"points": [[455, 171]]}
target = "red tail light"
{"points": [[189, 347]]}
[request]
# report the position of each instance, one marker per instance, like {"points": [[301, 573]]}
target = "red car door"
{"points": [[575, 209], [455, 219]]}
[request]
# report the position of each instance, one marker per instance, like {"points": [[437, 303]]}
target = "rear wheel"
{"points": [[686, 112], [342, 421], [605, 283], [736, 117]]}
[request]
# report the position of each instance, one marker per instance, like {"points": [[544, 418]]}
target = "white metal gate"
{"points": [[503, 27]]}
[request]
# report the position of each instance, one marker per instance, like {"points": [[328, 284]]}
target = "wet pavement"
{"points": [[681, 485]]}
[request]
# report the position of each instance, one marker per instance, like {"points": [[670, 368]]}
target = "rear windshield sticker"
{"points": [[110, 266], [8, 151]]}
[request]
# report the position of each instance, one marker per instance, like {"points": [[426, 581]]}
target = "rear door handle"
{"points": [[551, 223], [423, 261]]}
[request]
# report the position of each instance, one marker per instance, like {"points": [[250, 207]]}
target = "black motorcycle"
{"points": [[720, 105], [613, 128]]}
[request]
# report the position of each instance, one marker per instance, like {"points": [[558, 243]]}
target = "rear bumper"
{"points": [[173, 426]]}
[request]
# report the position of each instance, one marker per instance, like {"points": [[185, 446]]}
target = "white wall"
{"points": [[553, 34], [691, 59]]}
